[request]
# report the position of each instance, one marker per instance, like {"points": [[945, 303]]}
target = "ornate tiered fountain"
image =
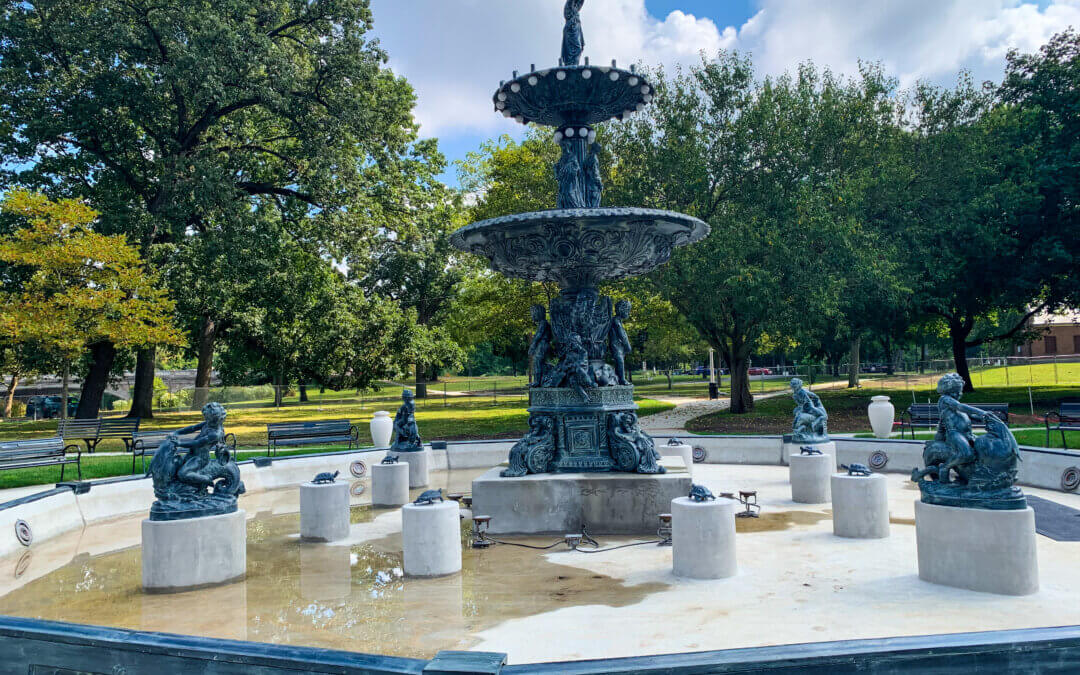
{"points": [[582, 411]]}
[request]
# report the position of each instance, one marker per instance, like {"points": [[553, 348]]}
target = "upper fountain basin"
{"points": [[579, 248], [573, 95]]}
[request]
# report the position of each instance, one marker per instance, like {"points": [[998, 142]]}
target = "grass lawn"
{"points": [[458, 419], [847, 409]]}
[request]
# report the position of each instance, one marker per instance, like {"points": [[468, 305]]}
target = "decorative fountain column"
{"points": [[582, 412]]}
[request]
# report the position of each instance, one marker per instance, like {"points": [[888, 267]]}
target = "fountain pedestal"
{"points": [[182, 555], [606, 503]]}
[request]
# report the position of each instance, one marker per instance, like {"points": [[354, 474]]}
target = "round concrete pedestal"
{"points": [[431, 538], [324, 511], [703, 538], [390, 484], [977, 549], [860, 506], [810, 478], [181, 555], [418, 466], [792, 448], [684, 451]]}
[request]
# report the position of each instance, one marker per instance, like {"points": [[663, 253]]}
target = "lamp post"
{"points": [[714, 388]]}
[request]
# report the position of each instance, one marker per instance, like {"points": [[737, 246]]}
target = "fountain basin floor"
{"points": [[796, 583]]}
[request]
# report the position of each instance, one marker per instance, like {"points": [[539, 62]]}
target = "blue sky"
{"points": [[454, 52]]}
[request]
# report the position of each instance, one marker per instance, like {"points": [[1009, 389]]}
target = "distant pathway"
{"points": [[673, 422]]}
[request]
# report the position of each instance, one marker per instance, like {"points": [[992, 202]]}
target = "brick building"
{"points": [[1061, 335]]}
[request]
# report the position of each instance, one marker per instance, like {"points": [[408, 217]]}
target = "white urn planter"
{"points": [[881, 412], [382, 427]]}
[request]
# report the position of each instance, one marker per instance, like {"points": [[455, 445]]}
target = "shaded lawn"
{"points": [[847, 408], [458, 420]]}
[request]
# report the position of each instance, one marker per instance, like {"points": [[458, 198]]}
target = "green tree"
{"points": [[83, 288], [174, 119]]}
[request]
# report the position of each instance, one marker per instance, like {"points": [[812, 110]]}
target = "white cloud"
{"points": [[455, 52]]}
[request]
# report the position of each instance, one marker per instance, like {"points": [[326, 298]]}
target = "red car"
{"points": [[758, 371]]}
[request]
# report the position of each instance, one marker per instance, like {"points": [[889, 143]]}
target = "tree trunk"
{"points": [[669, 380], [922, 355], [421, 382], [142, 394], [205, 368], [10, 402], [303, 392], [103, 355], [959, 335], [279, 390], [64, 388], [742, 401], [853, 363]]}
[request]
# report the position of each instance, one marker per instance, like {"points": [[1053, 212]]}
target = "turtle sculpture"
{"points": [[389, 459], [700, 493], [429, 497], [809, 450], [854, 469], [325, 477], [674, 441]]}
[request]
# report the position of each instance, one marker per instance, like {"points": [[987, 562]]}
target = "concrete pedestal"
{"points": [[793, 448], [977, 549], [559, 503], [390, 484], [810, 478], [860, 506], [182, 555], [418, 466], [703, 538], [431, 538], [324, 511], [684, 451]]}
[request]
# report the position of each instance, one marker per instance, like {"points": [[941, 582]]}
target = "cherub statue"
{"points": [[632, 449], [541, 345], [970, 471], [810, 423], [406, 434], [573, 369], [594, 181], [182, 481], [534, 452], [573, 42], [618, 340]]}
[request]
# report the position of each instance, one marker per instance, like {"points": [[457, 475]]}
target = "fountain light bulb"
{"points": [[583, 132], [614, 75], [645, 89], [592, 136], [502, 96], [570, 133], [558, 136], [647, 98], [519, 119], [586, 74], [500, 105], [515, 87], [639, 107], [561, 75], [633, 81], [506, 113], [533, 80]]}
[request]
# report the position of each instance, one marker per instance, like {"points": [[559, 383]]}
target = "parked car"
{"points": [[48, 407], [758, 370]]}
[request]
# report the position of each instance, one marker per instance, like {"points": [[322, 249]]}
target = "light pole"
{"points": [[714, 389]]}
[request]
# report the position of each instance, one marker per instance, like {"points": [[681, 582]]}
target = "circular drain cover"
{"points": [[356, 489], [23, 532], [358, 469], [878, 460], [699, 454], [1070, 479]]}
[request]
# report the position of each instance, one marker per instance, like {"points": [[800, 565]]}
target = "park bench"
{"points": [[39, 452], [322, 432], [926, 415], [146, 443], [1068, 419], [93, 432]]}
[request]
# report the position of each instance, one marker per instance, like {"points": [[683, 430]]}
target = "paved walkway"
{"points": [[673, 422]]}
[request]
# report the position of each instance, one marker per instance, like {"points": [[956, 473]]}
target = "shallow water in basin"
{"points": [[351, 597]]}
